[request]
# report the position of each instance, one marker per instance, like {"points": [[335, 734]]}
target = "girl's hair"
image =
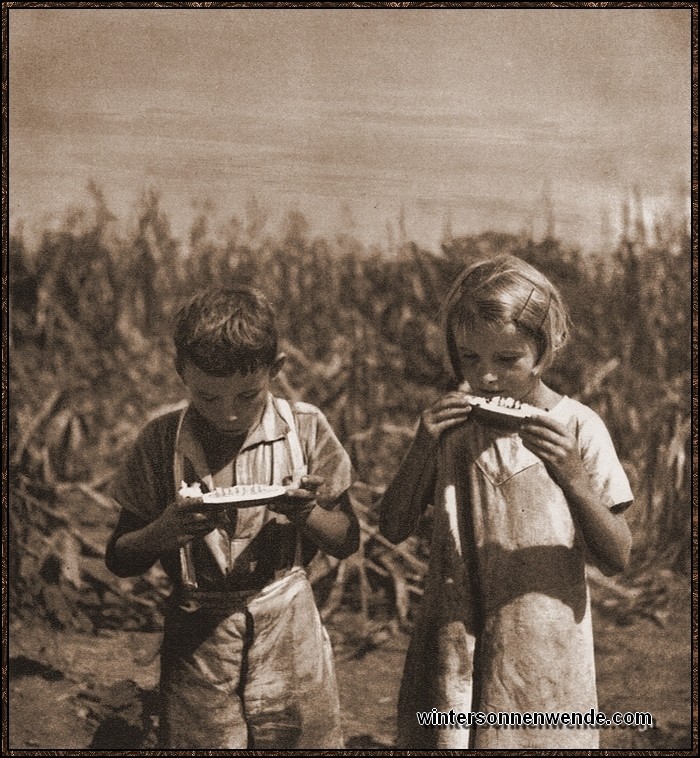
{"points": [[226, 331], [507, 290]]}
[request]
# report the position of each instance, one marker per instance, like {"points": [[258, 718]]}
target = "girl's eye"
{"points": [[509, 358], [207, 398], [249, 395], [470, 358]]}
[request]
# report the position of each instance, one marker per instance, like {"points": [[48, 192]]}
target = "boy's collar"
{"points": [[270, 428]]}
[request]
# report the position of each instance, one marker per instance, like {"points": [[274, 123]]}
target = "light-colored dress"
{"points": [[505, 621]]}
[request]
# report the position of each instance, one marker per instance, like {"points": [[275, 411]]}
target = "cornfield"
{"points": [[90, 361]]}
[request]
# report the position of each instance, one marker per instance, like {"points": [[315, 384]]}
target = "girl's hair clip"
{"points": [[546, 310], [525, 304]]}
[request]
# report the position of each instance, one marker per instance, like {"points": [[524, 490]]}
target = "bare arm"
{"points": [[411, 490], [135, 547], [336, 532], [606, 533]]}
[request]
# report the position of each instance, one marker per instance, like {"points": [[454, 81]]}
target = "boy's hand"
{"points": [[183, 521], [301, 500], [448, 411], [551, 441]]}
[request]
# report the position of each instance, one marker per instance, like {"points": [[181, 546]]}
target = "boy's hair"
{"points": [[226, 331], [503, 290]]}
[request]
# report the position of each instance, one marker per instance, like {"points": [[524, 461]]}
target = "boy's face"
{"points": [[232, 404]]}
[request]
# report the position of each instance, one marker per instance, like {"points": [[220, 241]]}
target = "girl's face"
{"points": [[497, 359]]}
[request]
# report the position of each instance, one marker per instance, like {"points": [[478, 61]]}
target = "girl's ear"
{"points": [[542, 364], [276, 367]]}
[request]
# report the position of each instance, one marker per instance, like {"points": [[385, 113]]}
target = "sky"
{"points": [[381, 123]]}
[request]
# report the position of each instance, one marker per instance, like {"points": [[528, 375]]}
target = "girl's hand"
{"points": [[446, 412], [183, 521], [301, 500], [551, 441], [605, 533]]}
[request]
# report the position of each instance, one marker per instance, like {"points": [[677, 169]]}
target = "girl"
{"points": [[505, 623]]}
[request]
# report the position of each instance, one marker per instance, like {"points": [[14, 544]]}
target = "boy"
{"points": [[246, 662]]}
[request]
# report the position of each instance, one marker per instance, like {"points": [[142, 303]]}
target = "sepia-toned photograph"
{"points": [[300, 300]]}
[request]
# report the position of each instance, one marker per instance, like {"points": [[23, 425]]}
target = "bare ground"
{"points": [[73, 691]]}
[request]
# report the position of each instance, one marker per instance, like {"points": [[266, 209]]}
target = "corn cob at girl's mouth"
{"points": [[503, 406]]}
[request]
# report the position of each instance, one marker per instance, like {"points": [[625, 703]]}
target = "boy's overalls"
{"points": [[249, 669]]}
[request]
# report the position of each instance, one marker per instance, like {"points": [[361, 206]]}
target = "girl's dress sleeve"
{"points": [[601, 461]]}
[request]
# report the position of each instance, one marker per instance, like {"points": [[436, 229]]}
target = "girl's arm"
{"points": [[606, 533], [411, 490]]}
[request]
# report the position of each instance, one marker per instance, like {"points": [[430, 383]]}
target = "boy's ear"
{"points": [[178, 369], [276, 367]]}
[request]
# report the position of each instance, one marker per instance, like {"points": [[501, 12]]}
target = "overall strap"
{"points": [[187, 573], [297, 461], [296, 454], [178, 462]]}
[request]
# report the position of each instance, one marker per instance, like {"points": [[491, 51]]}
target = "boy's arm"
{"points": [[124, 562], [320, 504], [142, 488], [337, 531], [135, 546], [411, 490]]}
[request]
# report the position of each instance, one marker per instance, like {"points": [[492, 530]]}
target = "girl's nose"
{"points": [[490, 378]]}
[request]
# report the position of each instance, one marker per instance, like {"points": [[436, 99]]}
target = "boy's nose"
{"points": [[229, 412]]}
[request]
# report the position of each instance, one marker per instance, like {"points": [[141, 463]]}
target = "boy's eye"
{"points": [[509, 358], [249, 395], [469, 357]]}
